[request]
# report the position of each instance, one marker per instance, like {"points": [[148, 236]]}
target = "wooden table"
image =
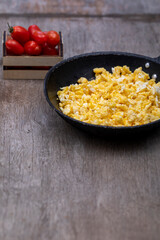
{"points": [[55, 181]]}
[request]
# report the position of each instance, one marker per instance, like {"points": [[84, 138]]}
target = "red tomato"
{"points": [[47, 50], [19, 33], [9, 52], [14, 47], [32, 48], [39, 37], [33, 28], [53, 38]]}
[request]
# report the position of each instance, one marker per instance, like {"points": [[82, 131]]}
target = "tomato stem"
{"points": [[10, 28]]}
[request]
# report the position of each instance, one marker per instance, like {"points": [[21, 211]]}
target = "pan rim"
{"points": [[154, 60]]}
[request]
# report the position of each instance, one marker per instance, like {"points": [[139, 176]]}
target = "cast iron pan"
{"points": [[70, 70]]}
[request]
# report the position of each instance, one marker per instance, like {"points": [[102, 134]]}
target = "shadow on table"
{"points": [[73, 136], [129, 141]]}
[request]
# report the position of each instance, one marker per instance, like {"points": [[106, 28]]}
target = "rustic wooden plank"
{"points": [[84, 7], [31, 60], [59, 183], [24, 74]]}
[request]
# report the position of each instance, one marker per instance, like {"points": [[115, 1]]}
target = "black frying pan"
{"points": [[70, 70]]}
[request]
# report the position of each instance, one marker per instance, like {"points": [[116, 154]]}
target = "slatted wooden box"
{"points": [[28, 67]]}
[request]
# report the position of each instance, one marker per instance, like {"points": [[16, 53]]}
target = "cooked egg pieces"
{"points": [[120, 98]]}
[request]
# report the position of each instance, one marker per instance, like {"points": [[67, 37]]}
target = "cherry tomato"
{"points": [[19, 33], [33, 28], [53, 38], [32, 48], [39, 37], [47, 50], [14, 47], [9, 52]]}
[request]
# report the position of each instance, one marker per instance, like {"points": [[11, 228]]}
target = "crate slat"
{"points": [[31, 60], [24, 74]]}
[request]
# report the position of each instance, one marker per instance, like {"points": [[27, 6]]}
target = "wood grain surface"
{"points": [[82, 7], [57, 183]]}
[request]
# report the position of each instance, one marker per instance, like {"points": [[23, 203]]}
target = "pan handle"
{"points": [[157, 59]]}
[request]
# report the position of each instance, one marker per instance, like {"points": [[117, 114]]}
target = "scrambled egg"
{"points": [[120, 98]]}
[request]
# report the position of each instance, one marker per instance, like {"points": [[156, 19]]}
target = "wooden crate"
{"points": [[28, 67]]}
